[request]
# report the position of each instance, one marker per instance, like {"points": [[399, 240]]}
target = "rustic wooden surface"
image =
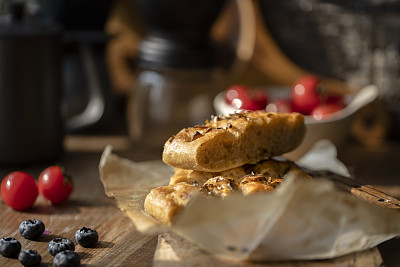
{"points": [[173, 251], [121, 245]]}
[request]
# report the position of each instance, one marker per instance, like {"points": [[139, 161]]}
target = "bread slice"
{"points": [[199, 177], [226, 142], [270, 168], [258, 183], [220, 186], [165, 202]]}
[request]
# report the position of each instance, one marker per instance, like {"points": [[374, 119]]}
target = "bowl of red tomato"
{"points": [[327, 115]]}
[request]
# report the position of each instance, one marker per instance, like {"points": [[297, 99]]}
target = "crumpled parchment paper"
{"points": [[302, 220]]}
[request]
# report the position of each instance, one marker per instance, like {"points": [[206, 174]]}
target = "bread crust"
{"points": [[270, 168], [199, 177], [226, 142], [166, 202]]}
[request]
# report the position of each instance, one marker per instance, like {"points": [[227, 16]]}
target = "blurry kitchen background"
{"points": [[133, 67]]}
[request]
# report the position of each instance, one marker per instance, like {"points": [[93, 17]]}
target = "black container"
{"points": [[30, 89]]}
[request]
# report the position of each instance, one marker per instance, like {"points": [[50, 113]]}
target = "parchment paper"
{"points": [[302, 220]]}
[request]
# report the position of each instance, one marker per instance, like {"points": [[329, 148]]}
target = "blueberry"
{"points": [[67, 258], [60, 244], [31, 229], [9, 247], [30, 258], [86, 237]]}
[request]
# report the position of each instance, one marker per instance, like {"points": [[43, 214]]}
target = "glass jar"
{"points": [[164, 101]]}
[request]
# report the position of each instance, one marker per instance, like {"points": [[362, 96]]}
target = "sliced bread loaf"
{"points": [[226, 142]]}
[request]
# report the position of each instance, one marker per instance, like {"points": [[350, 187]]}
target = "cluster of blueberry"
{"points": [[62, 249]]}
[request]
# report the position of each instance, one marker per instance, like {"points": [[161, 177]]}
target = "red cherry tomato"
{"points": [[305, 95], [241, 97], [323, 111], [235, 92], [334, 99], [19, 190], [246, 104], [260, 96], [55, 185]]}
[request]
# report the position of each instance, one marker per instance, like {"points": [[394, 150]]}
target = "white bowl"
{"points": [[334, 128]]}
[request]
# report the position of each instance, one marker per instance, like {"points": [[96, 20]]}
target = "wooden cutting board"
{"points": [[119, 242]]}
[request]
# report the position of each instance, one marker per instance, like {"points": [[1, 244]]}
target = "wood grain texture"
{"points": [[119, 242], [121, 245], [175, 251]]}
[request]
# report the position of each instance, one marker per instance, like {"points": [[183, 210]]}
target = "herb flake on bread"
{"points": [[226, 142]]}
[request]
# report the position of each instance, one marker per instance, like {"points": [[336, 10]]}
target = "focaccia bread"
{"points": [[164, 203], [226, 142], [199, 177], [255, 184], [270, 168]]}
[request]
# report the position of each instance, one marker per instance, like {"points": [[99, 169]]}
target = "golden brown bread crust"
{"points": [[199, 177], [255, 184], [164, 203], [226, 142], [220, 186], [267, 168]]}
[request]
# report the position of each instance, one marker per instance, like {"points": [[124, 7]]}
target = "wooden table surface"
{"points": [[120, 244]]}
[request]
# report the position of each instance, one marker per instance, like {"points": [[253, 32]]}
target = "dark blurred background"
{"points": [[106, 44]]}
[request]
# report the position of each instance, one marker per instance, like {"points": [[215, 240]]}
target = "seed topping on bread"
{"points": [[226, 142], [227, 154], [165, 202], [219, 186]]}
